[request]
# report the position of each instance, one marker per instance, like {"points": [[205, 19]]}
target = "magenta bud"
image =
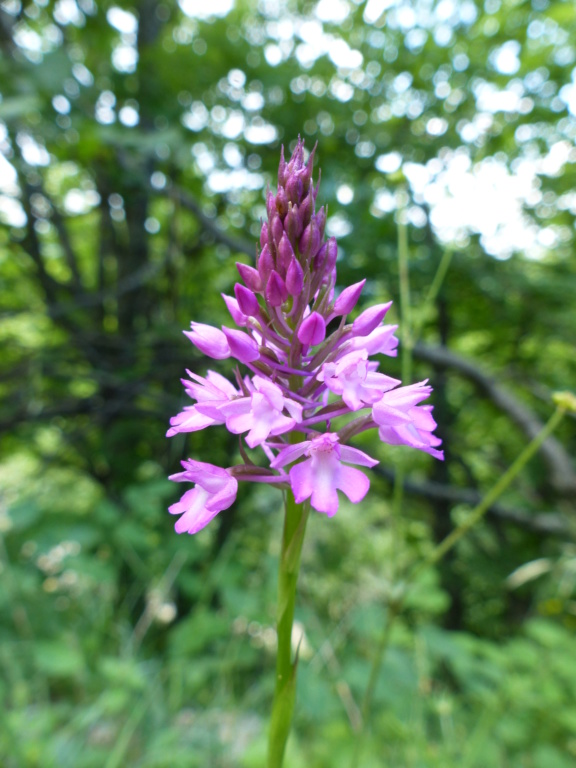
{"points": [[276, 228], [242, 346], [347, 300], [370, 319], [270, 203], [247, 302], [320, 258], [265, 264], [237, 315], [310, 241], [297, 160], [293, 223], [331, 254], [282, 168], [276, 292], [320, 219], [294, 188], [307, 209], [285, 254], [264, 235], [281, 202], [211, 341], [294, 278], [307, 172], [313, 330], [251, 276]]}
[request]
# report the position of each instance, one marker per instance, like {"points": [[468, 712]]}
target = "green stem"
{"points": [[433, 292], [405, 308], [396, 605], [285, 690], [394, 608], [480, 510]]}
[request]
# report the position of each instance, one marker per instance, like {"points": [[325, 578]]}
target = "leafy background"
{"points": [[136, 143]]}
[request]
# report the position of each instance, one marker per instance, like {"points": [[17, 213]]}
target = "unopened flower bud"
{"points": [[370, 319], [235, 312], [313, 330], [251, 276], [347, 300], [281, 202], [307, 208], [331, 254], [310, 240], [307, 172], [276, 228], [276, 292], [565, 400], [265, 264], [247, 301], [285, 255], [294, 188], [211, 341], [320, 219], [296, 162], [282, 168], [264, 235], [270, 204], [294, 278], [293, 223], [242, 346]]}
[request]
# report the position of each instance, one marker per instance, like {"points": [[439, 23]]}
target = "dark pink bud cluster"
{"points": [[302, 378]]}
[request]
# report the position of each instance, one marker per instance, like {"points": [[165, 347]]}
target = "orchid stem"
{"points": [[285, 690]]}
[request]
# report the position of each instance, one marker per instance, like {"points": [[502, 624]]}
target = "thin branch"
{"points": [[550, 523], [562, 475], [189, 202]]}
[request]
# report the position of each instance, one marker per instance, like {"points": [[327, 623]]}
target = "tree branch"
{"points": [[189, 202]]}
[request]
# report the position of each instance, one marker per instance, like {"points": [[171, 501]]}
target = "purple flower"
{"points": [[402, 421], [261, 413], [308, 366], [322, 474], [215, 490], [211, 392], [355, 380]]}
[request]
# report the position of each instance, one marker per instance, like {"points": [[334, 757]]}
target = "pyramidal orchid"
{"points": [[307, 366]]}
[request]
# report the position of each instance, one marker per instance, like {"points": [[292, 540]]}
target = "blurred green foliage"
{"points": [[136, 142]]}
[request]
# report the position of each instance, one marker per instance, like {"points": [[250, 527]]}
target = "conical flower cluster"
{"points": [[308, 366]]}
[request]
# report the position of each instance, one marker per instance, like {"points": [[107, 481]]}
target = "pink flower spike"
{"points": [[370, 319], [322, 474], [242, 346], [250, 276], [348, 298], [209, 340], [276, 292], [215, 490], [247, 301], [313, 330]]}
